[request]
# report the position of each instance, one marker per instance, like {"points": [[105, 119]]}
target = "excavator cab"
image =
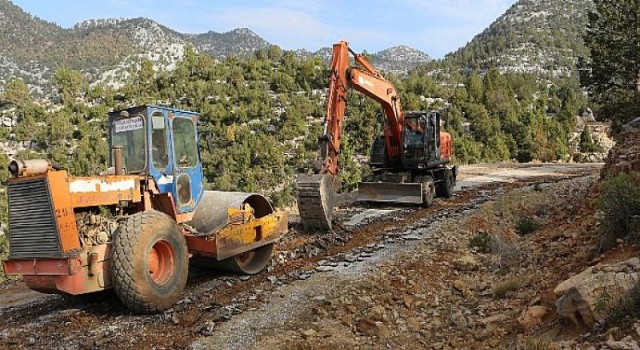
{"points": [[421, 139], [163, 143]]}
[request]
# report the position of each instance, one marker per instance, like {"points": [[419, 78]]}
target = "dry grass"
{"points": [[503, 288]]}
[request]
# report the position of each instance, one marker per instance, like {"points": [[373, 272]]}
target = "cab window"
{"points": [[184, 144], [159, 142], [129, 134], [414, 130]]}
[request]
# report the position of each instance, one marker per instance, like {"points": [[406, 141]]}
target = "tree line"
{"points": [[264, 112]]}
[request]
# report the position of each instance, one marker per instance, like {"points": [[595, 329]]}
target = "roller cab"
{"points": [[135, 226]]}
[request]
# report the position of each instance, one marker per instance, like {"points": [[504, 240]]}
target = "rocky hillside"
{"points": [[239, 42], [533, 36], [400, 59]]}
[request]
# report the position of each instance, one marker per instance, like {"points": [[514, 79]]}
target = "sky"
{"points": [[436, 27]]}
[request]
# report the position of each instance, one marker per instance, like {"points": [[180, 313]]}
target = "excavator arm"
{"points": [[362, 77], [316, 192]]}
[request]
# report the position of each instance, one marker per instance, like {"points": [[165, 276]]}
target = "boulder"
{"points": [[583, 298]]}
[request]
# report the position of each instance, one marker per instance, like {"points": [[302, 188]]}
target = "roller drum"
{"points": [[211, 212]]}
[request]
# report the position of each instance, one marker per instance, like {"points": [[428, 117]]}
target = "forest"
{"points": [[262, 116]]}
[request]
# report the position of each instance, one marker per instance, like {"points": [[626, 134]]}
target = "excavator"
{"points": [[408, 160]]}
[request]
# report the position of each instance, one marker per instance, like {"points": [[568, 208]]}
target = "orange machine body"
{"points": [[45, 242], [54, 255], [446, 145]]}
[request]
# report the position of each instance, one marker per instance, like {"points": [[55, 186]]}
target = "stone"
{"points": [[409, 301], [370, 328], [325, 268], [532, 317], [580, 296], [414, 324], [625, 344], [304, 276], [460, 286]]}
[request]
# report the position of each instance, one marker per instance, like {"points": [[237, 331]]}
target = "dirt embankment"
{"points": [[480, 276]]}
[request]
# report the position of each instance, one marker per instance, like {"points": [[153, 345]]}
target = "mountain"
{"points": [[237, 42], [534, 36], [400, 59], [107, 51], [397, 59]]}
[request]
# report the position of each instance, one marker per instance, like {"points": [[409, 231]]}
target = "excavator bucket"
{"points": [[316, 194], [389, 192]]}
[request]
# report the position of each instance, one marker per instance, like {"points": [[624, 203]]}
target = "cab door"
{"points": [[161, 159], [187, 166]]}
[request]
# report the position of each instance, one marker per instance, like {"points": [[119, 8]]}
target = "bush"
{"points": [[586, 142], [501, 289], [483, 241], [526, 225], [620, 204], [537, 187], [619, 308]]}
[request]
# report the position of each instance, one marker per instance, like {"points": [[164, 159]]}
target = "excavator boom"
{"points": [[316, 191]]}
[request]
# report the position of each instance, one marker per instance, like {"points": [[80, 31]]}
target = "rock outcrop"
{"points": [[624, 157], [584, 298]]}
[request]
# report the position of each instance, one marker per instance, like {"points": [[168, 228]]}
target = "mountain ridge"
{"points": [[542, 37], [108, 50]]}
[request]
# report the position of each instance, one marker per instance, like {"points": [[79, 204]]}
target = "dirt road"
{"points": [[227, 311]]}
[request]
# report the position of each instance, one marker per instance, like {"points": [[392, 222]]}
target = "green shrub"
{"points": [[526, 225], [619, 307], [586, 142], [483, 241], [537, 187], [620, 204]]}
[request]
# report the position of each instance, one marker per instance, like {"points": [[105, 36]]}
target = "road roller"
{"points": [[135, 226]]}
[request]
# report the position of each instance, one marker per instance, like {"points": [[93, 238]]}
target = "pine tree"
{"points": [[613, 75]]}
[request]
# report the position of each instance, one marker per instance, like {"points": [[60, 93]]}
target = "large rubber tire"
{"points": [[428, 190], [149, 262], [446, 186], [250, 263]]}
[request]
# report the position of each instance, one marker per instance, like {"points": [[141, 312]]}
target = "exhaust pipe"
{"points": [[118, 160], [31, 167]]}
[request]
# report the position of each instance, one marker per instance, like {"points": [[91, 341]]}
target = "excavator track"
{"points": [[316, 194]]}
